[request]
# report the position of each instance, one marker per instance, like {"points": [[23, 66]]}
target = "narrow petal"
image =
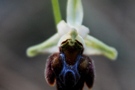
{"points": [[63, 28], [97, 47], [82, 30], [43, 47]]}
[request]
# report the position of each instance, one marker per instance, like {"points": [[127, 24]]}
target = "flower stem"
{"points": [[56, 11]]}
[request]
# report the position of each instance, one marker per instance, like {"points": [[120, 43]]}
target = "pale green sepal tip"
{"points": [[32, 51], [101, 47], [74, 12], [39, 48]]}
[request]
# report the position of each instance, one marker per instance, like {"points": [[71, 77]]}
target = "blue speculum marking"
{"points": [[69, 74]]}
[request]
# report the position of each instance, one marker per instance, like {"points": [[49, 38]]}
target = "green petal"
{"points": [[74, 12], [44, 46], [100, 48]]}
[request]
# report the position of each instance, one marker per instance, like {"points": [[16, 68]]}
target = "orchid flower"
{"points": [[92, 46]]}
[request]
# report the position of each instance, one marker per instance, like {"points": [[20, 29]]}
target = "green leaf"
{"points": [[74, 12]]}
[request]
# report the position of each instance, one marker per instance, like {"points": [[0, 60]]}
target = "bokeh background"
{"points": [[28, 22]]}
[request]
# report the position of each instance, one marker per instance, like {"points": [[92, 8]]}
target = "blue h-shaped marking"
{"points": [[72, 69]]}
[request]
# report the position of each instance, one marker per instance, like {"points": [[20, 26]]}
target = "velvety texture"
{"points": [[85, 69]]}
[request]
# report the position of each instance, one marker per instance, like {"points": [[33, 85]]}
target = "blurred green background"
{"points": [[28, 22]]}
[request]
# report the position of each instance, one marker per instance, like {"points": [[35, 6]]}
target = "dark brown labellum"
{"points": [[69, 68]]}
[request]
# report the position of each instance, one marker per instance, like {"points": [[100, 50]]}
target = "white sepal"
{"points": [[74, 12]]}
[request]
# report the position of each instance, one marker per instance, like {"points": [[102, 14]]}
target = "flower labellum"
{"points": [[69, 67]]}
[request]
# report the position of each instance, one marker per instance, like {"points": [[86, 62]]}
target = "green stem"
{"points": [[56, 11]]}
